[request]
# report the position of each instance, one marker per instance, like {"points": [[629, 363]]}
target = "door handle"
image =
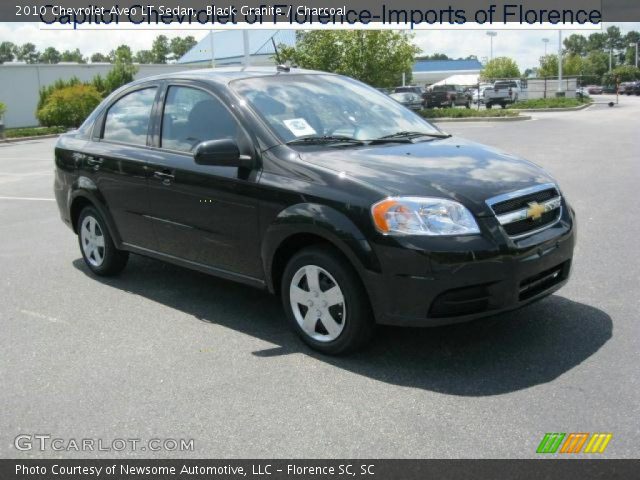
{"points": [[165, 176]]}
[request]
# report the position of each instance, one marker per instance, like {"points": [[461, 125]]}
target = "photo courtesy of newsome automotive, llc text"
{"points": [[319, 240]]}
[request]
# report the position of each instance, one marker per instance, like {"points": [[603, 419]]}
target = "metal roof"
{"points": [[446, 65], [228, 45]]}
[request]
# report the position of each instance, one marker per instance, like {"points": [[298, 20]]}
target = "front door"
{"points": [[203, 214]]}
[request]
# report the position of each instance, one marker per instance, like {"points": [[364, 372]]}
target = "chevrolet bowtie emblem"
{"points": [[535, 211]]}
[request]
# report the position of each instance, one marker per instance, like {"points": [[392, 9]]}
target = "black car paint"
{"points": [[237, 222]]}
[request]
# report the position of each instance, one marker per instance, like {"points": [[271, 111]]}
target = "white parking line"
{"points": [[31, 199], [42, 316]]}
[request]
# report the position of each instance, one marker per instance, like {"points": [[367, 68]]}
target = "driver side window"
{"points": [[192, 116]]}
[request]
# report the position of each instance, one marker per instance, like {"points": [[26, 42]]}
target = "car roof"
{"points": [[225, 75]]}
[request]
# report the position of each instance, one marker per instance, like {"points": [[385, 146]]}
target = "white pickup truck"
{"points": [[503, 93]]}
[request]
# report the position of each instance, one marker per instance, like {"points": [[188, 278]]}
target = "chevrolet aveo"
{"points": [[318, 188]]}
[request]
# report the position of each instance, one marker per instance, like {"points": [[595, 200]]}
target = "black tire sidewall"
{"points": [[358, 321], [114, 260]]}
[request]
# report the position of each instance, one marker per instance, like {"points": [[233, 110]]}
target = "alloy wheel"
{"points": [[317, 303], [92, 240]]}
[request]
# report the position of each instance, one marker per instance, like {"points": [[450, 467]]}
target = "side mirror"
{"points": [[222, 153]]}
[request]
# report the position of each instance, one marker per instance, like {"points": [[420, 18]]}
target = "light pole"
{"points": [[491, 34], [546, 41], [635, 45], [560, 91]]}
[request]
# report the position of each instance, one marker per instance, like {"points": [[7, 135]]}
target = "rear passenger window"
{"points": [[128, 119], [192, 116]]}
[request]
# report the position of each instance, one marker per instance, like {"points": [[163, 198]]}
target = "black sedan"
{"points": [[318, 188]]}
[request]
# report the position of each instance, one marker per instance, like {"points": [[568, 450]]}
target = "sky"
{"points": [[524, 46]]}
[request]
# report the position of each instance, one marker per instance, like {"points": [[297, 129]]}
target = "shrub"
{"points": [[3, 108], [465, 112], [548, 103], [57, 85], [69, 106], [32, 131]]}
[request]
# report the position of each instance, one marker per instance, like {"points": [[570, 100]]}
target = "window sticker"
{"points": [[299, 127]]}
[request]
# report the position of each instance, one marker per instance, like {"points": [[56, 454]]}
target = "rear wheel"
{"points": [[96, 244], [325, 301]]}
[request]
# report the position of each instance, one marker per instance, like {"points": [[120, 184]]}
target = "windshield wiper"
{"points": [[407, 136], [316, 140]]}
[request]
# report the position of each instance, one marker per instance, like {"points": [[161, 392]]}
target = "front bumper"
{"points": [[437, 281]]}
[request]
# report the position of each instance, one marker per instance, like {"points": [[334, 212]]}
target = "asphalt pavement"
{"points": [[163, 352]]}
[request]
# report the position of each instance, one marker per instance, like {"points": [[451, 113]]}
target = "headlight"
{"points": [[422, 216]]}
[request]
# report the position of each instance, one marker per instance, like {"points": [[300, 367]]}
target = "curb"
{"points": [[480, 119], [563, 109], [25, 139]]}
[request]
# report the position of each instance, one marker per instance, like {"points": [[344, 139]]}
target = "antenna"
{"points": [[275, 48]]}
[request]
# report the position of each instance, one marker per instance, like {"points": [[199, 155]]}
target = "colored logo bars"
{"points": [[573, 443]]}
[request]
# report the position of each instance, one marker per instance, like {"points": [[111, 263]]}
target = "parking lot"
{"points": [[163, 352]]}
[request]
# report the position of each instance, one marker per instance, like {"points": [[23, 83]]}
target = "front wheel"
{"points": [[97, 247], [325, 301]]}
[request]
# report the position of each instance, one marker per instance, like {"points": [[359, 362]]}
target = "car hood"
{"points": [[458, 169]]}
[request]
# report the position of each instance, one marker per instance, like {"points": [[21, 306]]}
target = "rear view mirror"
{"points": [[222, 153]]}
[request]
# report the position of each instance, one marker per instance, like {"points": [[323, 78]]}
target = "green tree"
{"points": [[27, 53], [575, 44], [144, 56], [7, 52], [631, 38], [69, 106], [50, 55], [121, 54], [376, 57], [160, 49], [179, 46], [99, 58], [623, 73], [3, 108], [123, 70], [100, 85], [500, 67], [73, 56], [597, 41]]}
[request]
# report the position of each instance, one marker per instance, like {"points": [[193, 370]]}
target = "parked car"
{"points": [[503, 93], [609, 89], [581, 93], [477, 94], [412, 101], [630, 88], [317, 188], [594, 89], [446, 96], [409, 89], [622, 87]]}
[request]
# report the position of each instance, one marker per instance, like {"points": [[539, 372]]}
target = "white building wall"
{"points": [[20, 84]]}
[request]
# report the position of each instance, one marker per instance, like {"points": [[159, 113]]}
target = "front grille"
{"points": [[522, 202], [516, 211], [527, 225]]}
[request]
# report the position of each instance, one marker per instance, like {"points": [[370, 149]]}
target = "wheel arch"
{"points": [[85, 193], [304, 225]]}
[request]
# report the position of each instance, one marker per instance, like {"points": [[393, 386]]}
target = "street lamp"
{"points": [[491, 35], [635, 45], [546, 41]]}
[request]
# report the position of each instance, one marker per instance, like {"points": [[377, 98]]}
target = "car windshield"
{"points": [[299, 106]]}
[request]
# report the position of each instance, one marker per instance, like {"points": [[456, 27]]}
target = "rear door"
{"points": [[201, 213], [117, 159]]}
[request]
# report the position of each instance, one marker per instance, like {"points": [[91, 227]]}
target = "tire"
{"points": [[503, 105], [468, 104], [330, 328], [489, 106], [96, 245]]}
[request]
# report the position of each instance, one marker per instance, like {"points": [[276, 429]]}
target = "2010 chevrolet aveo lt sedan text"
{"points": [[318, 188]]}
